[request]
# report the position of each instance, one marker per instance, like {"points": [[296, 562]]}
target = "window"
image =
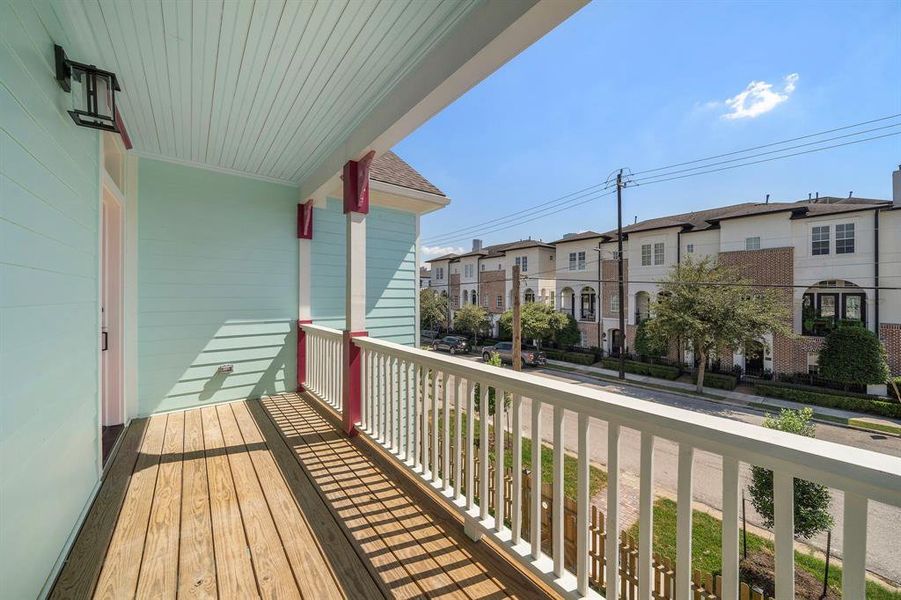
{"points": [[500, 267], [577, 261], [500, 301], [844, 239], [813, 362], [819, 237], [440, 272], [690, 249], [474, 297], [583, 339], [658, 253], [827, 305], [529, 296], [614, 303], [483, 266], [645, 255], [752, 243], [523, 263], [853, 307]]}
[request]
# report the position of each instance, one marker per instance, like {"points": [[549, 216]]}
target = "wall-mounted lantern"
{"points": [[92, 92]]}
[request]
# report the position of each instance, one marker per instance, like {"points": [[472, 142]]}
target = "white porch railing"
{"points": [[323, 364], [420, 406]]}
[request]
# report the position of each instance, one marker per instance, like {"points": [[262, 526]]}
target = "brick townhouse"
{"points": [[484, 275], [839, 258]]}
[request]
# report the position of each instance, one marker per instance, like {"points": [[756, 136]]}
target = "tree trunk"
{"points": [[702, 366]]}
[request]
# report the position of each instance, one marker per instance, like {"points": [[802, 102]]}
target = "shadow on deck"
{"points": [[269, 499]]}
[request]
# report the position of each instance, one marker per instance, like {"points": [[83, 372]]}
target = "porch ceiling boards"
{"points": [[229, 501]]}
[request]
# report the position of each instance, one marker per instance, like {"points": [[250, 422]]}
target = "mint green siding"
{"points": [[217, 284], [390, 271], [49, 213]]}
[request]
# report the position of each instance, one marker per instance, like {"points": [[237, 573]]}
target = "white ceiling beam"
{"points": [[487, 37]]}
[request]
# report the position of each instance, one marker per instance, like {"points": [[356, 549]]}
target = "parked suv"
{"points": [[453, 344], [530, 357]]}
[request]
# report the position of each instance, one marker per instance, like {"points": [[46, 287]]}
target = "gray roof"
{"points": [[582, 235], [390, 168]]}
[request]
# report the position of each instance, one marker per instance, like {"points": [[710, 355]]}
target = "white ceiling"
{"points": [[262, 87], [288, 89]]}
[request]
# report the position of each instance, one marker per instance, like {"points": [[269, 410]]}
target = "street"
{"points": [[884, 531]]}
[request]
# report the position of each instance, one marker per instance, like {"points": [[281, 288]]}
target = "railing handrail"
{"points": [[328, 332], [871, 474]]}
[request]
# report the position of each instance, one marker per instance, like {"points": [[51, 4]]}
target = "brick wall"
{"points": [[454, 286], [610, 288], [491, 285], [591, 332], [890, 334]]}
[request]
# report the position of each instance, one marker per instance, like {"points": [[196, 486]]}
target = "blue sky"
{"points": [[646, 84]]}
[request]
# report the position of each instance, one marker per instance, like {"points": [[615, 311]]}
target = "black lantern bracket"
{"points": [[95, 106]]}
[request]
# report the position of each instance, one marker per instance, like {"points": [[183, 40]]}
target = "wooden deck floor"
{"points": [[234, 501]]}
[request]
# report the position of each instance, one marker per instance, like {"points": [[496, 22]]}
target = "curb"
{"points": [[852, 423]]}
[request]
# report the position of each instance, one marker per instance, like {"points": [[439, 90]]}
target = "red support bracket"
{"points": [[305, 220], [120, 124], [302, 354], [356, 184], [353, 384]]}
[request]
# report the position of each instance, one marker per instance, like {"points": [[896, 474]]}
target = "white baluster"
{"points": [[536, 499], [364, 398], [483, 451], [433, 423], [414, 417], [459, 388], [646, 517], [611, 543], [783, 531], [470, 444], [424, 412], [445, 414], [516, 500], [582, 501], [499, 459], [730, 528], [410, 422], [683, 523], [854, 546], [557, 481]]}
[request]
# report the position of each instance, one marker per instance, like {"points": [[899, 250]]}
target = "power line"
{"points": [[803, 137], [474, 229]]}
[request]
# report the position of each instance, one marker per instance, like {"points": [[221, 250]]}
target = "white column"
{"points": [[355, 273]]}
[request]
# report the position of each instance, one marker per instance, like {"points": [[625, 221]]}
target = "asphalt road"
{"points": [[884, 529]]}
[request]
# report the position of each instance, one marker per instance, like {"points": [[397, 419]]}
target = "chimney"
{"points": [[476, 245], [896, 187]]}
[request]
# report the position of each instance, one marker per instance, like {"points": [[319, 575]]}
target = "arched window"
{"points": [[568, 301], [827, 303], [475, 297], [530, 295], [588, 304], [642, 306], [465, 296]]}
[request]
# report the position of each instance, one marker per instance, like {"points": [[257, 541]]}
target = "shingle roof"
{"points": [[445, 257], [582, 235], [390, 168]]}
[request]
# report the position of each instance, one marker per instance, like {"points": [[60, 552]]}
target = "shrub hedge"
{"points": [[817, 389], [719, 381], [579, 358], [873, 407], [640, 368]]}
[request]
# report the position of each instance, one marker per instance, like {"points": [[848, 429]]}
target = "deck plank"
{"points": [[390, 568], [357, 579], [234, 571], [81, 571], [311, 570], [119, 576], [196, 566], [159, 565], [270, 564]]}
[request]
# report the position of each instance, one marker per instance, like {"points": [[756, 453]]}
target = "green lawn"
{"points": [[706, 541], [597, 478]]}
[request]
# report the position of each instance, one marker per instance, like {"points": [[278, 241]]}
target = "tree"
{"points": [[541, 322], [471, 319], [711, 306], [853, 354], [811, 499], [495, 361], [432, 309], [645, 344]]}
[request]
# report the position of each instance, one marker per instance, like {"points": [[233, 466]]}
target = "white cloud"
{"points": [[759, 98], [429, 252]]}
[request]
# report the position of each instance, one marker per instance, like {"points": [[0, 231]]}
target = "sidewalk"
{"points": [[832, 415]]}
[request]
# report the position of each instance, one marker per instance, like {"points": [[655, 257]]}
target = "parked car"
{"points": [[453, 344], [530, 356], [427, 336]]}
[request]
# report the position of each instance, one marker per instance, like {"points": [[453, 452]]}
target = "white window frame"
{"points": [[847, 235], [500, 301], [816, 237], [661, 254], [752, 243], [572, 261], [690, 249], [614, 303], [646, 253]]}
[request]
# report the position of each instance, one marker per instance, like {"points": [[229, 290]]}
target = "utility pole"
{"points": [[517, 322], [598, 312], [622, 298]]}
